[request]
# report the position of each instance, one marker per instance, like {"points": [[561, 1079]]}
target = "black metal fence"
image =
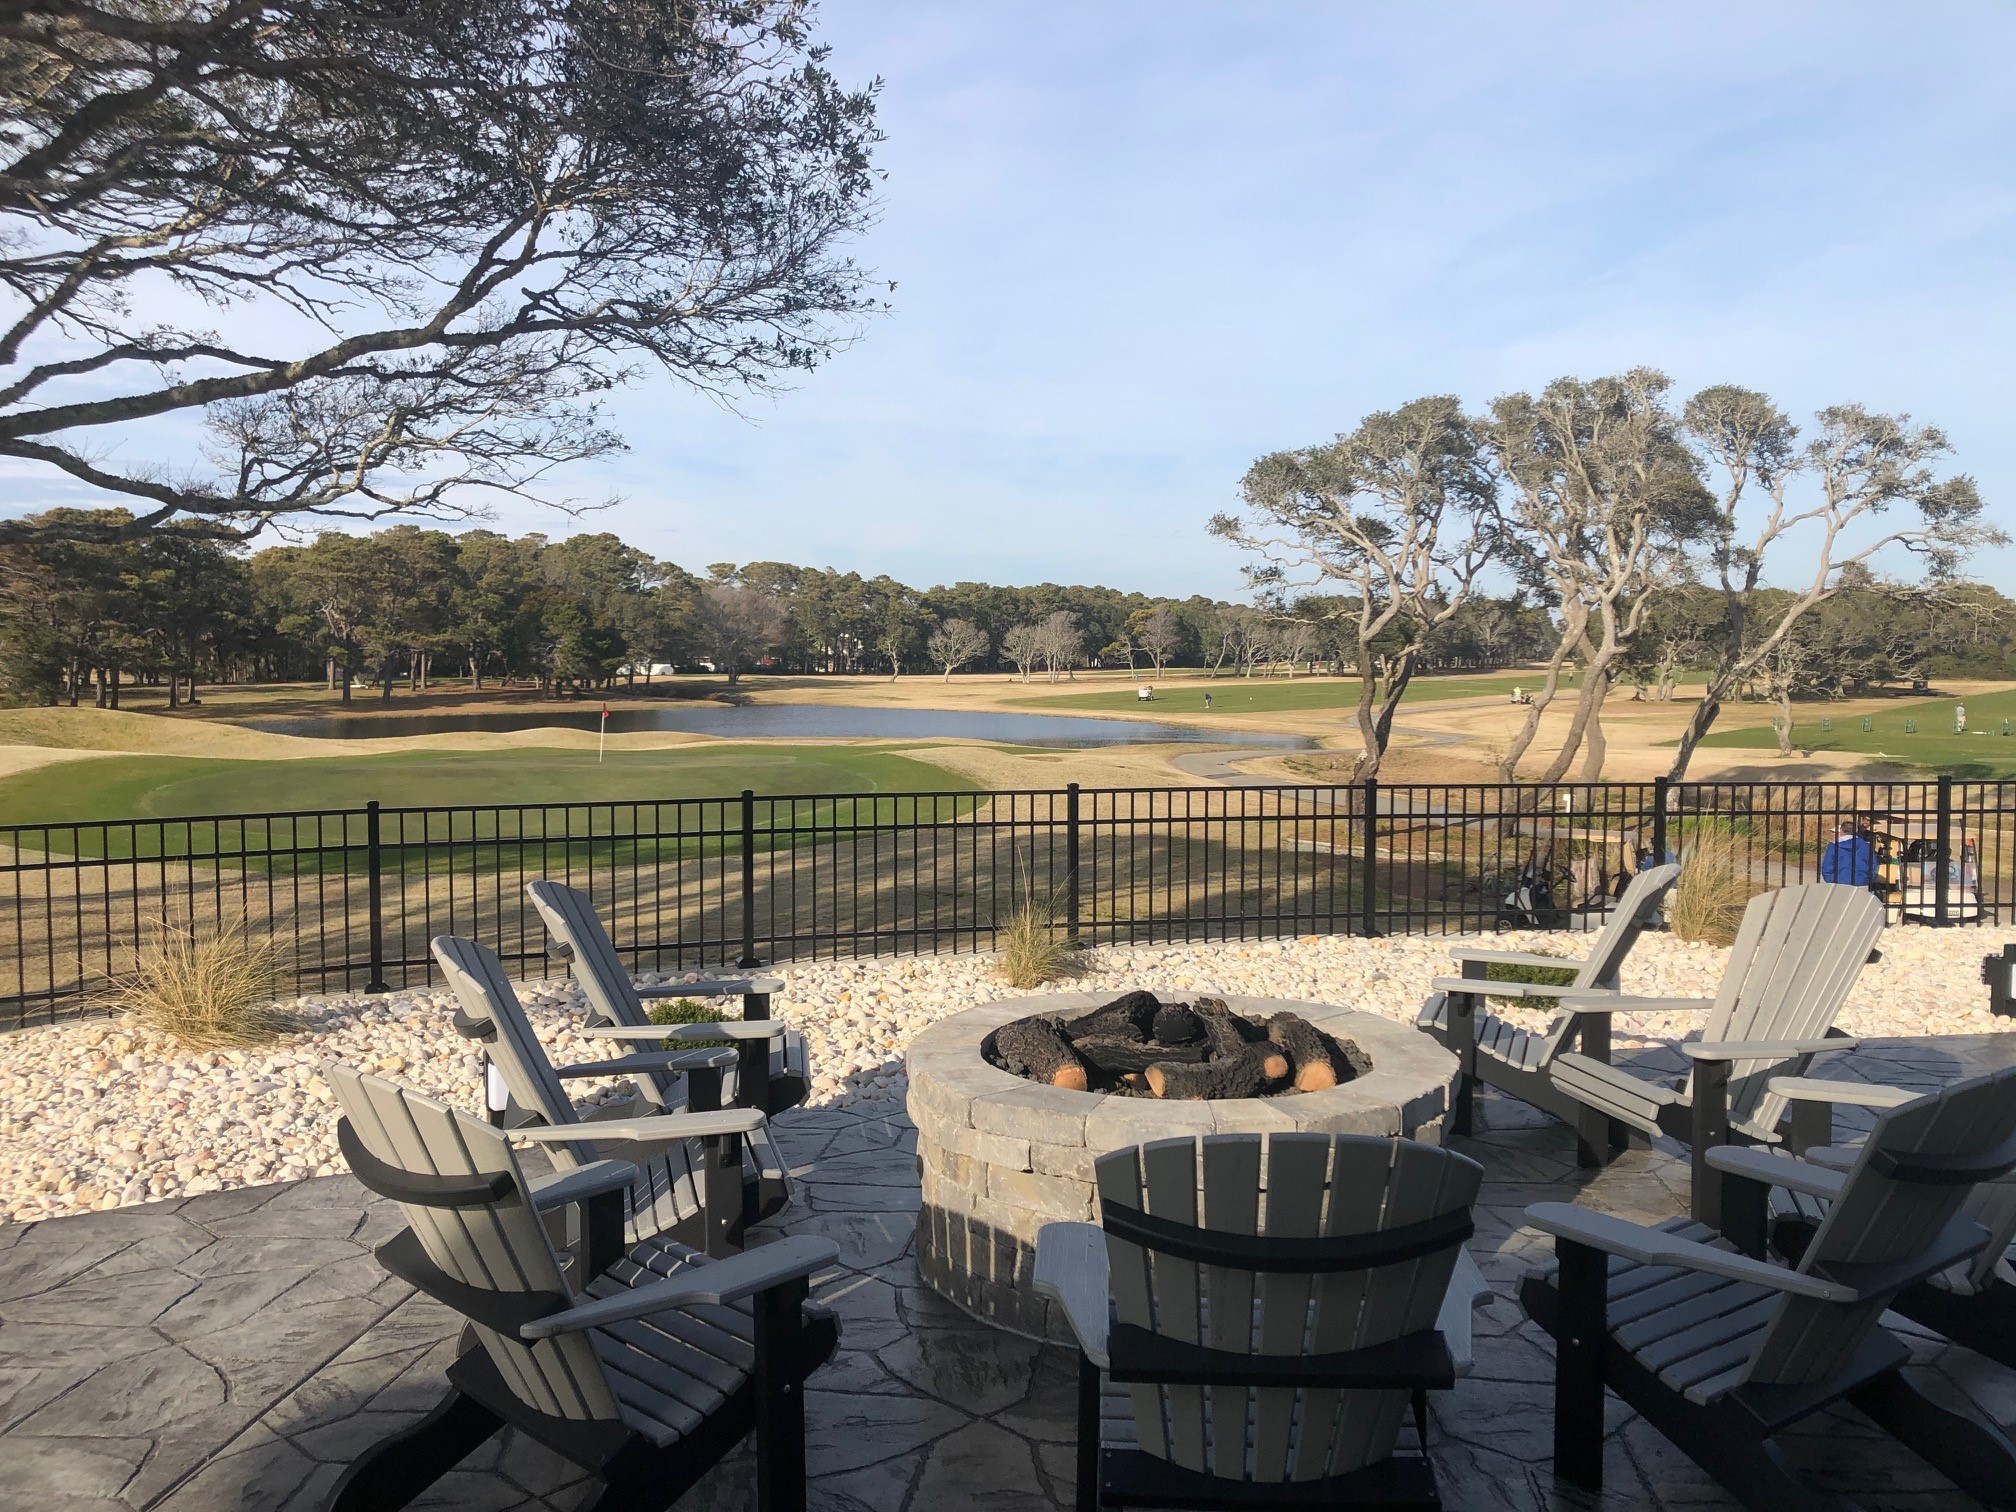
{"points": [[352, 896]]}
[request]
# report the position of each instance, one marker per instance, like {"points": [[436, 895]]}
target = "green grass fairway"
{"points": [[1983, 752], [1240, 695], [637, 786]]}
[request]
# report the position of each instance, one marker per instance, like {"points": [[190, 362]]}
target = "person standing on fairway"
{"points": [[1959, 719]]}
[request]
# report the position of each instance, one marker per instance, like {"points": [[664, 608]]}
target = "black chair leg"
{"points": [[1976, 1457], [1580, 1335], [1088, 1436], [403, 1466], [1463, 1039], [780, 1398]]}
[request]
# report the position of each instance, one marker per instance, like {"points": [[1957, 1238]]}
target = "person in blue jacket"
{"points": [[1848, 858]]}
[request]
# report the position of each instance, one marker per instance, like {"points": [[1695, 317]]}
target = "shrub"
{"points": [[1032, 952], [205, 992], [1706, 904], [1550, 976], [688, 1011]]}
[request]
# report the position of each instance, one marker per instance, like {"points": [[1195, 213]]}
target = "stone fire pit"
{"points": [[1000, 1156]]}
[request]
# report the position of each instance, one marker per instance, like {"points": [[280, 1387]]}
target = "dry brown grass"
{"points": [[1715, 885], [205, 991], [1032, 951]]}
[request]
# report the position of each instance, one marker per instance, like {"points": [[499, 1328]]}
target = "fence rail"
{"points": [[354, 895]]}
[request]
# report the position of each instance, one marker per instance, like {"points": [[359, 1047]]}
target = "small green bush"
{"points": [[688, 1011]]}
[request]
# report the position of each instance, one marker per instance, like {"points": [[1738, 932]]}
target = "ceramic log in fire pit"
{"points": [[1001, 1154]]}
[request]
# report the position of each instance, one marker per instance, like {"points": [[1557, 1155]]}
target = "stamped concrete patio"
{"points": [[236, 1350]]}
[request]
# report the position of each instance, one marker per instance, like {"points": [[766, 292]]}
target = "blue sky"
{"points": [[1137, 245]]}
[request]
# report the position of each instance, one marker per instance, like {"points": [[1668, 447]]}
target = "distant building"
{"points": [[642, 669]]}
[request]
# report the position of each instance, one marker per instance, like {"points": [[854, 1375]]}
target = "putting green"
{"points": [[120, 787], [1983, 752]]}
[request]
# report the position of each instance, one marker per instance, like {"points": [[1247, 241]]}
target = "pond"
{"points": [[759, 721]]}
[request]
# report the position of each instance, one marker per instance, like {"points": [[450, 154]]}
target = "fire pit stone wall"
{"points": [[1000, 1156]]}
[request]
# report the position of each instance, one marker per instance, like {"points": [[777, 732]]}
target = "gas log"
{"points": [[1136, 1046], [1037, 1049]]}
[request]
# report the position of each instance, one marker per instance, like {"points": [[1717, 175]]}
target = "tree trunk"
{"points": [[347, 679], [174, 691], [1781, 722], [1595, 747], [75, 673], [113, 693]]}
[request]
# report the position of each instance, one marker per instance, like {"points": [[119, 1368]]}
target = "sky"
{"points": [[1138, 245]]}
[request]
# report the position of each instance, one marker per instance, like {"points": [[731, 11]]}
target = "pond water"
{"points": [[756, 721]]}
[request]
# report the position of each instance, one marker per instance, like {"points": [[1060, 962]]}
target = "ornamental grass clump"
{"points": [[1707, 903], [205, 991], [1032, 951]]}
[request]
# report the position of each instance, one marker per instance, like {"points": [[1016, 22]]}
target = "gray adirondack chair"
{"points": [[1722, 1350], [642, 1363], [1972, 1302], [1262, 1310], [771, 1071], [1796, 956], [1518, 1061], [694, 1182]]}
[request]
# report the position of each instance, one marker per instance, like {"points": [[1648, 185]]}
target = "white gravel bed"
{"points": [[96, 1115]]}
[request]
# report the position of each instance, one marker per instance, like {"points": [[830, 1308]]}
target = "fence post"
{"points": [[1071, 861], [373, 856], [1660, 788], [1369, 805], [748, 957], [1942, 858]]}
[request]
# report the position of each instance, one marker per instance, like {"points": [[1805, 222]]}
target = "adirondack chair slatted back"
{"points": [[1285, 1186], [603, 978], [486, 994], [1796, 956], [499, 1245], [1884, 1215], [1627, 921], [669, 1183], [1993, 1206]]}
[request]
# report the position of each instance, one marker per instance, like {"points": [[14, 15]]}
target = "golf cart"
{"points": [[1907, 873]]}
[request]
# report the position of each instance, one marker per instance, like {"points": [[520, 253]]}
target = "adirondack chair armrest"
{"points": [[1465, 955], [1649, 1246], [658, 1060], [1071, 1271], [714, 1283], [1468, 1291], [1731, 1050], [656, 1126], [578, 1185], [714, 987], [1855, 1094], [1833, 1157], [1583, 1000], [1763, 1166], [1481, 988]]}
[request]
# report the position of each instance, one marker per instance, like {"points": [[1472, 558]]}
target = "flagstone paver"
{"points": [[236, 1350]]}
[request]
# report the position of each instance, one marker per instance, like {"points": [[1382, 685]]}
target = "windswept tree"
{"points": [[1158, 632], [388, 258], [1397, 517], [1602, 498], [955, 643], [1866, 484], [1023, 645], [1062, 642], [735, 627]]}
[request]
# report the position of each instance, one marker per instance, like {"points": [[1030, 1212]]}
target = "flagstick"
{"points": [[602, 735]]}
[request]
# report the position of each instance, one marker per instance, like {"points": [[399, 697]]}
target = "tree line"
{"points": [[1646, 530], [86, 608]]}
